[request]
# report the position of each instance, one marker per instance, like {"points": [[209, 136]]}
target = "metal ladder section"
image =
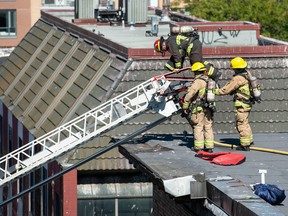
{"points": [[147, 95]]}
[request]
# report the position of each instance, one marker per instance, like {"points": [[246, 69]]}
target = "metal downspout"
{"points": [[116, 83]]}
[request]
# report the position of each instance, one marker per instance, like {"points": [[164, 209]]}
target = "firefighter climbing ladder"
{"points": [[151, 94]]}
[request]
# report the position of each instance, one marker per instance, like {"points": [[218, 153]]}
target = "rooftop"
{"points": [[59, 71], [169, 157]]}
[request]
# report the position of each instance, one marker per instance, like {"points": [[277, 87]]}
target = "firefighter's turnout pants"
{"points": [[243, 126], [202, 122]]}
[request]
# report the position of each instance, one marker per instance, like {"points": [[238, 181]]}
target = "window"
{"points": [[109, 207], [7, 23]]}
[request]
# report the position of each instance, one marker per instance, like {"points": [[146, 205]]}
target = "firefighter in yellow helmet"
{"points": [[202, 115], [239, 87]]}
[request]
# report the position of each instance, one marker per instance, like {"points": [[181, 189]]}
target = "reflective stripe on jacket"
{"points": [[238, 85], [177, 46], [196, 92]]}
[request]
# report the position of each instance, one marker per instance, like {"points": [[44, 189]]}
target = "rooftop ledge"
{"points": [[218, 38]]}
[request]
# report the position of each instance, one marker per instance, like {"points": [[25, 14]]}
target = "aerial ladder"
{"points": [[156, 93]]}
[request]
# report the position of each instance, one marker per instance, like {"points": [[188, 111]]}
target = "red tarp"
{"points": [[222, 158]]}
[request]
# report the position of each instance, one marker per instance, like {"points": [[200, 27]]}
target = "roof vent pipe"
{"points": [[165, 12]]}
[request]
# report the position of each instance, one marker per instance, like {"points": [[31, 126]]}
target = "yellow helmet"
{"points": [[198, 66], [238, 63]]}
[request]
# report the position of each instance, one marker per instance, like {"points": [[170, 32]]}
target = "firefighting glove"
{"points": [[215, 91], [185, 105]]}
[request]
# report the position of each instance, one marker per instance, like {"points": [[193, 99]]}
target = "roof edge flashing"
{"points": [[178, 187]]}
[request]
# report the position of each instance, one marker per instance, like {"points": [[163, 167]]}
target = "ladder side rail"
{"points": [[48, 138], [63, 150], [4, 162]]}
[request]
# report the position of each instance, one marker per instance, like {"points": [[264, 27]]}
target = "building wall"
{"points": [[35, 11], [165, 205], [70, 193], [27, 13], [13, 135]]}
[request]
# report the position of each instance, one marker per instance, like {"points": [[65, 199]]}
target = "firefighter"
{"points": [[180, 46], [202, 115], [239, 87]]}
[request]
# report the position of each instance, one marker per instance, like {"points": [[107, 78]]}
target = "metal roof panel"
{"points": [[68, 99], [28, 47], [35, 41]]}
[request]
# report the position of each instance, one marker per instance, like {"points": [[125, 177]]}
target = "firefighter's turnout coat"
{"points": [[180, 46], [202, 117], [239, 87]]}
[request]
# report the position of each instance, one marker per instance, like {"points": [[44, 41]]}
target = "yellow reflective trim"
{"points": [[185, 105], [211, 71], [244, 141], [189, 48], [179, 38], [169, 67], [199, 144], [178, 64], [245, 90], [241, 104], [197, 109], [202, 92], [209, 143]]}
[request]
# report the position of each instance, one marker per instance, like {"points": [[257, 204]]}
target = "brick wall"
{"points": [[70, 193]]}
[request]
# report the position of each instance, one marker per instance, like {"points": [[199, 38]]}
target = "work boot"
{"points": [[208, 150], [243, 148], [195, 150]]}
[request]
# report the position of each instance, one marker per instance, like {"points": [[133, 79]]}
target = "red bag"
{"points": [[229, 159], [209, 156]]}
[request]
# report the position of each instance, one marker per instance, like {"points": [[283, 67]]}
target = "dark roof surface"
{"points": [[164, 157]]}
